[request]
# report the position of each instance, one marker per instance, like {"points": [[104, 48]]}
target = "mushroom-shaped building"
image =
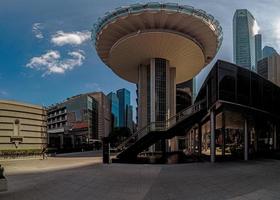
{"points": [[157, 45]]}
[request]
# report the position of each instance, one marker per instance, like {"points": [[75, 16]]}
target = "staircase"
{"points": [[155, 131]]}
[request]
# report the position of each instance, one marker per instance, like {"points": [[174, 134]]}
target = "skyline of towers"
{"points": [[247, 42]]}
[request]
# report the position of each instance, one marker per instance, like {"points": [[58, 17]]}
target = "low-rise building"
{"points": [[22, 127], [73, 124]]}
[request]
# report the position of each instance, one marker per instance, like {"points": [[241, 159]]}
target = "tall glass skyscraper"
{"points": [[124, 103], [244, 29], [114, 101], [258, 45]]}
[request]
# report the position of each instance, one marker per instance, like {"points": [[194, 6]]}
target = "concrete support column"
{"points": [[153, 105], [224, 134], [246, 143], [199, 139], [275, 138], [213, 137]]}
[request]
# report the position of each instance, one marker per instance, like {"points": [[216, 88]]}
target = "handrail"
{"points": [[165, 125], [157, 7]]}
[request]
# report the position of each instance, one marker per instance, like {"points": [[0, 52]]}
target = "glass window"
{"points": [[243, 86], [256, 91], [227, 83], [267, 96]]}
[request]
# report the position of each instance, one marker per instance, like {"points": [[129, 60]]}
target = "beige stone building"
{"points": [[22, 126], [269, 68]]}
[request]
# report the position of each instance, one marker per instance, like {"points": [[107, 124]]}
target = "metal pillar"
{"points": [[199, 139], [246, 143], [223, 134], [213, 139], [275, 138]]}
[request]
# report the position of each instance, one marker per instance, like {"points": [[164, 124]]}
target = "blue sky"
{"points": [[40, 64]]}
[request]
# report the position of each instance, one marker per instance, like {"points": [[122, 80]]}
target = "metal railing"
{"points": [[162, 126], [156, 7]]}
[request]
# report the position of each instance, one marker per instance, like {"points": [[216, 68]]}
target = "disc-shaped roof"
{"points": [[129, 36]]}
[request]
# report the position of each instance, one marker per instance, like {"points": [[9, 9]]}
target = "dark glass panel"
{"points": [[256, 91], [267, 96], [243, 86], [227, 82]]}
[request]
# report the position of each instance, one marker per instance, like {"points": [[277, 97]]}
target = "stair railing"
{"points": [[163, 126]]}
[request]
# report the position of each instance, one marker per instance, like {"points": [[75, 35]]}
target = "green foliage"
{"points": [[118, 135]]}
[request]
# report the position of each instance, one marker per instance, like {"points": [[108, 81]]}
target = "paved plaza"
{"points": [[83, 176]]}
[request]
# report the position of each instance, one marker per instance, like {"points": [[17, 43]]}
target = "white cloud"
{"points": [[276, 32], [93, 86], [3, 93], [37, 30], [73, 38], [52, 63]]}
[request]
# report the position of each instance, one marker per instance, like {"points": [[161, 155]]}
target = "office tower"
{"points": [[268, 51], [258, 47], [124, 102], [114, 102], [129, 117], [73, 123], [244, 29], [269, 68], [104, 114]]}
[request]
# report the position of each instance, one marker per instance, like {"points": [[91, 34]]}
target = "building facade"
{"points": [[104, 114], [268, 51], [73, 124], [258, 48], [22, 126], [129, 119], [124, 101], [244, 25], [235, 115], [114, 102], [269, 68]]}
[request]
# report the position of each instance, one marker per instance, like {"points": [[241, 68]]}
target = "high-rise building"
{"points": [[244, 29], [104, 114], [268, 51], [258, 47], [269, 68], [114, 102], [73, 123], [129, 117], [124, 103], [164, 50]]}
